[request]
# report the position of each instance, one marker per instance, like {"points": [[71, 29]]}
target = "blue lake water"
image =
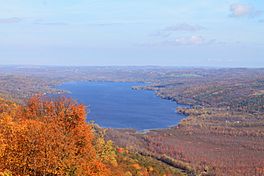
{"points": [[117, 105]]}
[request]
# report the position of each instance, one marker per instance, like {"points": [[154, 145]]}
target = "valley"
{"points": [[222, 135]]}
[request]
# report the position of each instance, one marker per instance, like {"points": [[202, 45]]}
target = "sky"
{"points": [[213, 33]]}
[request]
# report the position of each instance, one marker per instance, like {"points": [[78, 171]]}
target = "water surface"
{"points": [[117, 105]]}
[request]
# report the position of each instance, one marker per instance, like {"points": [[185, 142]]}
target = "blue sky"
{"points": [[226, 33]]}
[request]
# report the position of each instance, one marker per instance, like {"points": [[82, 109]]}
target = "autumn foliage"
{"points": [[47, 137]]}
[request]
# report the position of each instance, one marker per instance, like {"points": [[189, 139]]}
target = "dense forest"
{"points": [[52, 137]]}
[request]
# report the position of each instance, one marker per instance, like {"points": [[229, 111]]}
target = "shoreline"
{"points": [[137, 88]]}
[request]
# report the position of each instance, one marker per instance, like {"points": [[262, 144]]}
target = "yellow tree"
{"points": [[48, 137]]}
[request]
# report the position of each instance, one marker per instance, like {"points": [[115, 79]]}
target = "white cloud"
{"points": [[188, 40], [184, 27], [181, 27], [242, 10], [193, 40]]}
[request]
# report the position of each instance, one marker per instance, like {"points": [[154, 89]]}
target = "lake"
{"points": [[117, 105]]}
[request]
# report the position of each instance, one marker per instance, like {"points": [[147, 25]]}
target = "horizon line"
{"points": [[168, 66]]}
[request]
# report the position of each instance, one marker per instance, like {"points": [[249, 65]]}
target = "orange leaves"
{"points": [[48, 138], [120, 150], [136, 166]]}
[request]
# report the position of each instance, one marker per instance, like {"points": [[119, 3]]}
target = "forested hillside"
{"points": [[223, 134], [51, 137]]}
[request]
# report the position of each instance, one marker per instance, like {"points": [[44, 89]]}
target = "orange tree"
{"points": [[48, 137]]}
